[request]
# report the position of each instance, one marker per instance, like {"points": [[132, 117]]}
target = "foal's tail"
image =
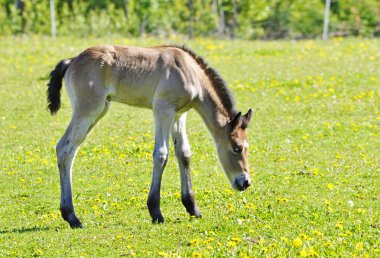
{"points": [[55, 85]]}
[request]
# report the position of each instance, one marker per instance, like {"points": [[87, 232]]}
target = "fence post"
{"points": [[52, 17], [326, 20]]}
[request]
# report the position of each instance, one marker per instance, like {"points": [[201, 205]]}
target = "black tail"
{"points": [[55, 85]]}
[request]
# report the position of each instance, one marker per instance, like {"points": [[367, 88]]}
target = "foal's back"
{"points": [[135, 76]]}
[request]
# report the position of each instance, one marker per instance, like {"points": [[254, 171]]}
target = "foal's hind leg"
{"points": [[182, 152], [82, 122]]}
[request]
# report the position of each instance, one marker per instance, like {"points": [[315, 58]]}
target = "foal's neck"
{"points": [[214, 114]]}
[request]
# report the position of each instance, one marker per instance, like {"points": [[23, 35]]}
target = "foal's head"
{"points": [[233, 151]]}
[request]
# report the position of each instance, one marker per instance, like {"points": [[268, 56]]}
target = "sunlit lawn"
{"points": [[314, 155]]}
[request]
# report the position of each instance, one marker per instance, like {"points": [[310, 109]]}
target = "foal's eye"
{"points": [[237, 149]]}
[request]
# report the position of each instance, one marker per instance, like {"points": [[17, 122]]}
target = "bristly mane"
{"points": [[218, 83]]}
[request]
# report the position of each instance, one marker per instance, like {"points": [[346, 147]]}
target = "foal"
{"points": [[170, 80]]}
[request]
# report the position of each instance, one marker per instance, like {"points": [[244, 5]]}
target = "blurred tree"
{"points": [[191, 18], [20, 6], [277, 24], [125, 9], [7, 4], [142, 11], [252, 19]]}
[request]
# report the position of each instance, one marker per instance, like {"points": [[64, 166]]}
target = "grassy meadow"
{"points": [[314, 158]]}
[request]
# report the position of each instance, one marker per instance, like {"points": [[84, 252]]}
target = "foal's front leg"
{"points": [[182, 152], [163, 118]]}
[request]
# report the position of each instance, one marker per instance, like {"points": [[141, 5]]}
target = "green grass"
{"points": [[314, 157]]}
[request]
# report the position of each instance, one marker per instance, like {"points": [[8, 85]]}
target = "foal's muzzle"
{"points": [[242, 182]]}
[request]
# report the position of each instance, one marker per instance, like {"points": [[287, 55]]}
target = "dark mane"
{"points": [[218, 83]]}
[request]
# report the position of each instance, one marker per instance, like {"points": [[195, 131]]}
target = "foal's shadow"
{"points": [[24, 230]]}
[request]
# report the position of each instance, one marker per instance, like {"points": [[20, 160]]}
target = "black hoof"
{"points": [[71, 218], [196, 214], [158, 220], [156, 215], [75, 224], [194, 211]]}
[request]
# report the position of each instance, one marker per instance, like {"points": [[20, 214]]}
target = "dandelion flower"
{"points": [[339, 225], [359, 246], [317, 233], [236, 239], [194, 242], [231, 244], [297, 242]]}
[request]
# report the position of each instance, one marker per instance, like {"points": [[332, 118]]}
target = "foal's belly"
{"points": [[133, 88], [134, 95]]}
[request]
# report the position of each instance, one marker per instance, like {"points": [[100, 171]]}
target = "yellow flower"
{"points": [[210, 47], [359, 246], [339, 225], [194, 241], [229, 207], [297, 242], [360, 210], [197, 254], [317, 233], [236, 239], [210, 239], [330, 186], [313, 252], [163, 254], [282, 199], [305, 237], [231, 244]]}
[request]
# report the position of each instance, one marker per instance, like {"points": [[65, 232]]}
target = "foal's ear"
{"points": [[246, 119], [234, 121]]}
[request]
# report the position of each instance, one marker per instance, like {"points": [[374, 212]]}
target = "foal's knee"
{"points": [[160, 156], [183, 154], [62, 151]]}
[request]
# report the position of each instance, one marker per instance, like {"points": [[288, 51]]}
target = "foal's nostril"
{"points": [[246, 184]]}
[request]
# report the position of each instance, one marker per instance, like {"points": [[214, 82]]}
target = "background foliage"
{"points": [[248, 19]]}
